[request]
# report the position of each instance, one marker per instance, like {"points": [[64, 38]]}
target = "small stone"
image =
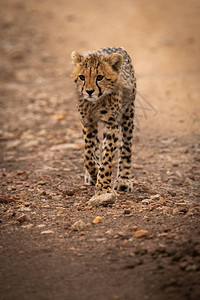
{"points": [[188, 181], [181, 204], [23, 218], [101, 240], [191, 268], [178, 174], [183, 265], [22, 194], [20, 172], [120, 234], [41, 182], [175, 164], [66, 170], [25, 209], [175, 211], [136, 166], [133, 227], [109, 232], [28, 226], [47, 232], [155, 197], [141, 233], [59, 117], [166, 210], [69, 192], [78, 226], [104, 199], [127, 211], [167, 229], [61, 147], [97, 220], [127, 203], [40, 225], [146, 201], [72, 249], [182, 208], [172, 193], [5, 199], [12, 144], [30, 144], [46, 206]]}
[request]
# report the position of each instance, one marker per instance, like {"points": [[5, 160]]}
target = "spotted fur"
{"points": [[106, 89]]}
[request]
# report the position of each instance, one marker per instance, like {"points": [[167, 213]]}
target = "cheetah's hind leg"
{"points": [[88, 178]]}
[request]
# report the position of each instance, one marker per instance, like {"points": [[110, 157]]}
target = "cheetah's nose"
{"points": [[90, 92]]}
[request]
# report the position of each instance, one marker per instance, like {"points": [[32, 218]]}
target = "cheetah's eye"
{"points": [[82, 77], [99, 77]]}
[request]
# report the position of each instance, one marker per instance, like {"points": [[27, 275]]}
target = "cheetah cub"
{"points": [[106, 88]]}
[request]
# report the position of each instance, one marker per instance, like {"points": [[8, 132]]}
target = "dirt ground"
{"points": [[145, 246]]}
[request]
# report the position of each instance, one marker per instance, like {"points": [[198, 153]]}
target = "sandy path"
{"points": [[42, 177]]}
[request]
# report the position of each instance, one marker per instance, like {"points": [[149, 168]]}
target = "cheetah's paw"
{"points": [[102, 199], [124, 185]]}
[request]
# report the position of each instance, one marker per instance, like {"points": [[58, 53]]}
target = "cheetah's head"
{"points": [[96, 75]]}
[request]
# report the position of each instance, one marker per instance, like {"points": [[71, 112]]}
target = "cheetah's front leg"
{"points": [[91, 153], [104, 194], [110, 138]]}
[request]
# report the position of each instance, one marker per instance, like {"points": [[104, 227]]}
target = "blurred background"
{"points": [[162, 37]]}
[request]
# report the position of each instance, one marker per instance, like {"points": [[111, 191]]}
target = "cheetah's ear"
{"points": [[115, 60], [76, 57]]}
